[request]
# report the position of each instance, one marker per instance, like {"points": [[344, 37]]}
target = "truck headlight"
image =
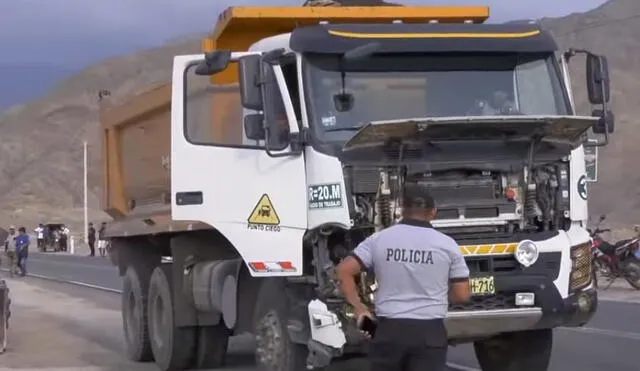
{"points": [[527, 253], [581, 266]]}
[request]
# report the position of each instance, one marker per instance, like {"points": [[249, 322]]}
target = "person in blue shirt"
{"points": [[22, 250]]}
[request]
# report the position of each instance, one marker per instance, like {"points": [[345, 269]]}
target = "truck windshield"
{"points": [[398, 87]]}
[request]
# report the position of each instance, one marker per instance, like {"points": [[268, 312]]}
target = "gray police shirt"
{"points": [[413, 264]]}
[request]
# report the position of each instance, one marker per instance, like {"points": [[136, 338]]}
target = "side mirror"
{"points": [[213, 63], [254, 126], [606, 124], [250, 90], [598, 79]]}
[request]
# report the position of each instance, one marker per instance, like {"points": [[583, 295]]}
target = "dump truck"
{"points": [[236, 189]]}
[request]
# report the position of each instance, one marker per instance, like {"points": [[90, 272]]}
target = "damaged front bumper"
{"points": [[329, 339]]}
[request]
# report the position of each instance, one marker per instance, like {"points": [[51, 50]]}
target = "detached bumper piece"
{"points": [[505, 312]]}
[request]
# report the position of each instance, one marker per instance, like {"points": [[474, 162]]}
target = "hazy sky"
{"points": [[78, 32]]}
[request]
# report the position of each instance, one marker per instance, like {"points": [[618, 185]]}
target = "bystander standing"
{"points": [[22, 250], [10, 250], [102, 242], [91, 239], [64, 238], [39, 231]]}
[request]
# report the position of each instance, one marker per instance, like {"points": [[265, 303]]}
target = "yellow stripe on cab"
{"points": [[450, 35]]}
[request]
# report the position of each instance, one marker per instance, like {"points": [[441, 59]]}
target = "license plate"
{"points": [[482, 286]]}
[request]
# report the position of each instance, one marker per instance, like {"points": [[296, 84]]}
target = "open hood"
{"points": [[563, 130]]}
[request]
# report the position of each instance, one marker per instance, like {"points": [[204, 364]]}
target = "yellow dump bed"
{"points": [[136, 134]]}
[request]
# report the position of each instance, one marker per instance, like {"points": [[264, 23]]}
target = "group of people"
{"points": [[16, 248], [16, 245], [102, 242]]}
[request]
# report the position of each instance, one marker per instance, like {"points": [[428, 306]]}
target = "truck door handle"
{"points": [[189, 198]]}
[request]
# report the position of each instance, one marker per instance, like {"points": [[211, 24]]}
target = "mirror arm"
{"points": [[294, 152]]}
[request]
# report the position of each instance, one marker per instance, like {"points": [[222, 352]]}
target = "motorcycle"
{"points": [[617, 260]]}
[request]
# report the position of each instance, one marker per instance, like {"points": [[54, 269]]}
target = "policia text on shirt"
{"points": [[418, 270]]}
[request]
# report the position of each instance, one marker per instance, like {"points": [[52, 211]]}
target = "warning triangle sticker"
{"points": [[264, 212]]}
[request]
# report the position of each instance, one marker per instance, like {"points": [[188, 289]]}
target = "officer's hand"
{"points": [[360, 316]]}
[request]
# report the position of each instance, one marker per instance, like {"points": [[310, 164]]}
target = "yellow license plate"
{"points": [[482, 286]]}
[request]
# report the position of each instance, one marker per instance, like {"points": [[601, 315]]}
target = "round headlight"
{"points": [[526, 253]]}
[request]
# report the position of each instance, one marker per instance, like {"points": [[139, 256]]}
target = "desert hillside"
{"points": [[41, 167]]}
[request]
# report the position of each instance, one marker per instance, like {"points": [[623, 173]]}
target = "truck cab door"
{"points": [[257, 201]]}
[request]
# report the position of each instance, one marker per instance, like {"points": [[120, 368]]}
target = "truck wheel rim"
{"points": [[269, 340]]}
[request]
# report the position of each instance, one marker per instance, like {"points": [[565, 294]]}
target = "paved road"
{"points": [[88, 270], [608, 342]]}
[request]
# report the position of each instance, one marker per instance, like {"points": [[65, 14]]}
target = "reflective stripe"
{"points": [[284, 266], [489, 249]]}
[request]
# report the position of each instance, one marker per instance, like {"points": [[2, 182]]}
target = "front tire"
{"points": [[631, 271], [173, 348], [518, 351], [274, 349]]}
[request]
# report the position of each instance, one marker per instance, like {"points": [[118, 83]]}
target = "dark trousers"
{"points": [[41, 244], [409, 345], [92, 247], [62, 243], [22, 263]]}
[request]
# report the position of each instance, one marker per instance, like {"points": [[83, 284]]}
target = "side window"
{"points": [[535, 89], [213, 113], [291, 78], [275, 112]]}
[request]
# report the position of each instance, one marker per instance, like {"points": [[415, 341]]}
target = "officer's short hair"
{"points": [[416, 196]]}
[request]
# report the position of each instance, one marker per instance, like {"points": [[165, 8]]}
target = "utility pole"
{"points": [[86, 194]]}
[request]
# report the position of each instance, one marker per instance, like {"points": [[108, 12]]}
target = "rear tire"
{"points": [[134, 316], [173, 348], [518, 351]]}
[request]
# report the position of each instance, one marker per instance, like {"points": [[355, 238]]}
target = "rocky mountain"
{"points": [[41, 151]]}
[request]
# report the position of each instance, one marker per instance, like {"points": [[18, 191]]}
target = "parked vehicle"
{"points": [[617, 260], [236, 189], [52, 237]]}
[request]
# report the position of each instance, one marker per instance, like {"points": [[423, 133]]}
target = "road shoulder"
{"points": [[55, 330]]}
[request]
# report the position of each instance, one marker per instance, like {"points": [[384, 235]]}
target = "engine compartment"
{"points": [[531, 199]]}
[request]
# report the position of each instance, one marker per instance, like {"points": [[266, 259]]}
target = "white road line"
{"points": [[616, 300], [600, 331], [76, 283], [458, 367]]}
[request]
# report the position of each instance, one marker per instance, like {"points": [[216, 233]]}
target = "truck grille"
{"points": [[503, 300], [548, 265], [492, 264]]}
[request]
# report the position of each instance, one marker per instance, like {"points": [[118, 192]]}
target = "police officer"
{"points": [[419, 270]]}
